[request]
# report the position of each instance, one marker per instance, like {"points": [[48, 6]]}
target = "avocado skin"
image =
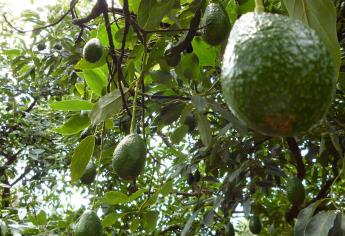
{"points": [[277, 75], [216, 24], [295, 191], [129, 157], [93, 50], [255, 225], [89, 225], [89, 174]]}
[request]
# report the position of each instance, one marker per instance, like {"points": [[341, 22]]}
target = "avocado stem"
{"points": [[133, 123], [259, 6]]}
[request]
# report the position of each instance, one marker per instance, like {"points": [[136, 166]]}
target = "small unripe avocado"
{"points": [[229, 230], [172, 59], [93, 50], [89, 174], [89, 225], [216, 24], [255, 225], [129, 157], [41, 46], [295, 191]]}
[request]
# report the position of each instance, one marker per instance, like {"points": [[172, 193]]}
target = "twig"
{"points": [[35, 29], [166, 97]]}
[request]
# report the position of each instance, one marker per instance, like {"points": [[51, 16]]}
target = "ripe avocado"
{"points": [[89, 174], [129, 157], [255, 225], [295, 191], [93, 50], [216, 24], [277, 75], [89, 225]]}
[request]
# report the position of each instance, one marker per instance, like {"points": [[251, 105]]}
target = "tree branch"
{"points": [[293, 146]]}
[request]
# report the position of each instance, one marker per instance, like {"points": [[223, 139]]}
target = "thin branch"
{"points": [[166, 97], [27, 170], [35, 29]]}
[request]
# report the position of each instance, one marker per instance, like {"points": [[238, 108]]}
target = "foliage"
{"points": [[59, 111]]}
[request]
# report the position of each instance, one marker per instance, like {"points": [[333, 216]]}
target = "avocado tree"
{"points": [[180, 117]]}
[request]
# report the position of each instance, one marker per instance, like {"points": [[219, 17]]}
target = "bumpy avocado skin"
{"points": [[129, 157], [277, 74], [216, 24], [93, 50], [89, 225], [89, 174], [295, 191]]}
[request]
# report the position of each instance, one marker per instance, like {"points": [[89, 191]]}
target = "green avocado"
{"points": [[41, 46], [129, 157], [295, 191], [229, 230], [277, 75], [89, 225], [172, 59], [89, 174], [216, 24], [93, 50], [255, 225]]}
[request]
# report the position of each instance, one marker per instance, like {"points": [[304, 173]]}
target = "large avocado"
{"points": [[129, 157], [295, 191], [277, 74], [215, 23], [89, 225], [93, 50]]}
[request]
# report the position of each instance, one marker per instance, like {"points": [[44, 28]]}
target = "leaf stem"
{"points": [[259, 6]]}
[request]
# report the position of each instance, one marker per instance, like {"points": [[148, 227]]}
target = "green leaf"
{"points": [[321, 223], [72, 105], [96, 80], [81, 156], [304, 217], [74, 125], [114, 197], [179, 134], [151, 12], [134, 225], [200, 103], [149, 220], [204, 129], [167, 188], [137, 194], [207, 54], [320, 15], [187, 226], [109, 220], [107, 106]]}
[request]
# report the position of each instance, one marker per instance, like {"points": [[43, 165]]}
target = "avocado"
{"points": [[277, 75], [129, 157], [41, 46], [216, 24], [93, 50], [229, 230], [89, 174], [295, 191], [89, 225], [171, 58], [255, 225]]}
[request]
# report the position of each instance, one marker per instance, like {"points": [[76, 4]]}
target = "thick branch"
{"points": [[293, 146]]}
